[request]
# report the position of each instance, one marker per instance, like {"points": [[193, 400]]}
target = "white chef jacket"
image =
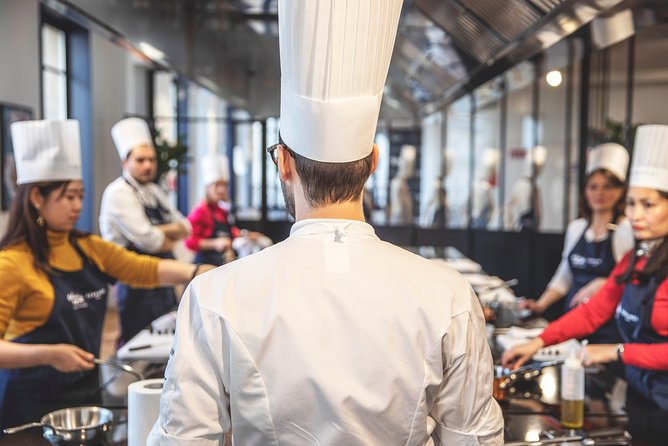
{"points": [[622, 242], [331, 337], [122, 217]]}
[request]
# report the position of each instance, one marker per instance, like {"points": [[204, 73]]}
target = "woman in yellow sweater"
{"points": [[53, 279]]}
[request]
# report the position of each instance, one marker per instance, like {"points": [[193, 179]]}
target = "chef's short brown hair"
{"points": [[330, 183]]}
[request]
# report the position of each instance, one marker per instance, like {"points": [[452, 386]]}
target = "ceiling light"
{"points": [[151, 52], [553, 78]]}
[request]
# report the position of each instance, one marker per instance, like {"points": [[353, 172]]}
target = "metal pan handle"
{"points": [[118, 365], [13, 430]]}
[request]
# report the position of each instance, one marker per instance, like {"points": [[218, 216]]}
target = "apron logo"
{"points": [[628, 317], [80, 301], [580, 261]]}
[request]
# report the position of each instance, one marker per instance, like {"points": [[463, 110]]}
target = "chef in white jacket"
{"points": [[331, 337], [136, 213]]}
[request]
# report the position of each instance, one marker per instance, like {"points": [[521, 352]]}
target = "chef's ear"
{"points": [[285, 163], [36, 198], [374, 159]]}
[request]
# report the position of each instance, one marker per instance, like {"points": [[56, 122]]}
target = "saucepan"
{"points": [[74, 426]]}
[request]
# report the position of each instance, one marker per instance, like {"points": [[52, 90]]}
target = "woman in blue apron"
{"points": [[595, 242], [635, 296], [54, 279]]}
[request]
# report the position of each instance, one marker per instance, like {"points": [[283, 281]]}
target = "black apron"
{"points": [[589, 261], [634, 319], [138, 307], [212, 257], [76, 318]]}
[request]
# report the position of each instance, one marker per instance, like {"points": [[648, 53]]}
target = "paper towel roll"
{"points": [[143, 409]]}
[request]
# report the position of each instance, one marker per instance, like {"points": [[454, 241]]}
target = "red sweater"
{"points": [[201, 218], [585, 319]]}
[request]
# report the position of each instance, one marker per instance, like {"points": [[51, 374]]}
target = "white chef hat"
{"points": [[649, 167], [215, 167], [128, 133], [539, 155], [609, 156], [334, 61], [46, 150]]}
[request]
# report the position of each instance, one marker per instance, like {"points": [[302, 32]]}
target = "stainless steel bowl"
{"points": [[74, 426]]}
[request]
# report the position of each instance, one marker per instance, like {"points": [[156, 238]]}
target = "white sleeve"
{"points": [[194, 405], [174, 214], [562, 280], [126, 213], [464, 410], [623, 239]]}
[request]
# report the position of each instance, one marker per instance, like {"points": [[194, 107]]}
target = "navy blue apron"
{"points": [[634, 319], [589, 261], [138, 307], [212, 257], [76, 318]]}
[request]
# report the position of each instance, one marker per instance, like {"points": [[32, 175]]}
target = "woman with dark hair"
{"points": [[53, 279], [595, 242], [635, 295]]}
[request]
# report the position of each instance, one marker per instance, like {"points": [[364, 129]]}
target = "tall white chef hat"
{"points": [[609, 156], [128, 133], [334, 61], [215, 167], [46, 150], [649, 167]]}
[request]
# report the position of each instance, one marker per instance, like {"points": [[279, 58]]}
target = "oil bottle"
{"points": [[572, 393]]}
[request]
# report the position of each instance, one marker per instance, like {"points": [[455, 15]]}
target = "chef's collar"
{"points": [[315, 226]]}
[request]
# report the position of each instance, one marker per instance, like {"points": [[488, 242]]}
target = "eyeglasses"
{"points": [[271, 150]]}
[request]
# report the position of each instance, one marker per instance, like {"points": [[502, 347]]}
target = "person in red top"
{"points": [[635, 295], [213, 236]]}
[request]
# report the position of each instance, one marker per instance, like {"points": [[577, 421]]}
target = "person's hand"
{"points": [[586, 292], [222, 244], [229, 255], [532, 305], [599, 354], [68, 358], [204, 267], [518, 355]]}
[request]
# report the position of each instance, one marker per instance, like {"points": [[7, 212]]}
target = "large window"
{"points": [[486, 198], [458, 148], [553, 113], [519, 204], [54, 72]]}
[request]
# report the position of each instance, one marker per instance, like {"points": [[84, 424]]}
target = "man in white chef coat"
{"points": [[331, 337], [136, 213]]}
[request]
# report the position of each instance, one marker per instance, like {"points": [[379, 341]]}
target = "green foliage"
{"points": [[170, 156], [616, 131]]}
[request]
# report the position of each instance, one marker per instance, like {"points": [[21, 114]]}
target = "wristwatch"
{"points": [[619, 348]]}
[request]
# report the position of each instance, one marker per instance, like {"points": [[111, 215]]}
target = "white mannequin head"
{"points": [[407, 162], [489, 164]]}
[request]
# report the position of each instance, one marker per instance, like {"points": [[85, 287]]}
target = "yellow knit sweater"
{"points": [[26, 295]]}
